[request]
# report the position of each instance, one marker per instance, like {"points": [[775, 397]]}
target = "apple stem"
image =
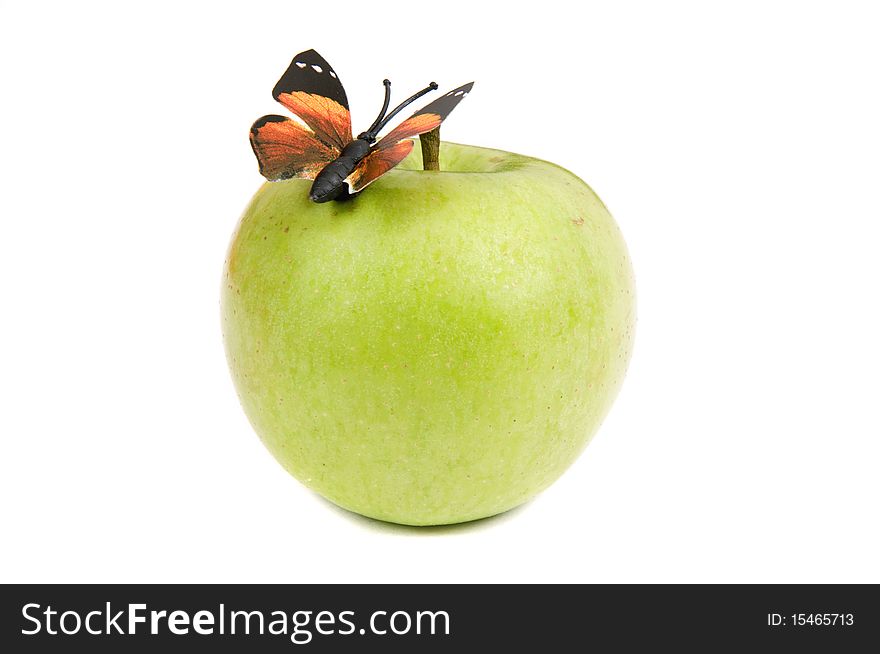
{"points": [[431, 149]]}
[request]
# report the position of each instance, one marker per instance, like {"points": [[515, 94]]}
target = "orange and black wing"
{"points": [[286, 149], [311, 89], [377, 163], [395, 146]]}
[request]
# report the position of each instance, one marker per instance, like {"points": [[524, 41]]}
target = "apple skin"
{"points": [[441, 347]]}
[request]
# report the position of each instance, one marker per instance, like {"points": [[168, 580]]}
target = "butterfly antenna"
{"points": [[372, 131], [375, 129]]}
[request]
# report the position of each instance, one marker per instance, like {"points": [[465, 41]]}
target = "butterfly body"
{"points": [[322, 147], [330, 183]]}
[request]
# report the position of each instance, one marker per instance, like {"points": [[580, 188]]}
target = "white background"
{"points": [[738, 148]]}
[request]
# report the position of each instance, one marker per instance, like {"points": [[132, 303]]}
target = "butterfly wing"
{"points": [[428, 117], [395, 146], [286, 149], [311, 89], [377, 163]]}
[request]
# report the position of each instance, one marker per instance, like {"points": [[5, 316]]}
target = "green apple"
{"points": [[439, 348]]}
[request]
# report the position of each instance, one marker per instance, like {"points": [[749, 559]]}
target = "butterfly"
{"points": [[322, 148]]}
